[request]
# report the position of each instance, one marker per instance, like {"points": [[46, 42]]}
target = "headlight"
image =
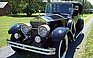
{"points": [[25, 28], [37, 39], [43, 30], [16, 35]]}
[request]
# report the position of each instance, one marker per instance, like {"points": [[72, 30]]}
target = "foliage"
{"points": [[87, 7], [33, 6], [28, 10], [18, 5]]}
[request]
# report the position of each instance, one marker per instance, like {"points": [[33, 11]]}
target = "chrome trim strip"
{"points": [[78, 34], [34, 28], [48, 19], [50, 51]]}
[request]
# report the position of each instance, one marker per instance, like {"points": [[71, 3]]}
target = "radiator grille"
{"points": [[36, 24], [34, 32]]}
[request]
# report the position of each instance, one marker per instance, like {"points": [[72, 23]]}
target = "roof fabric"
{"points": [[3, 4]]}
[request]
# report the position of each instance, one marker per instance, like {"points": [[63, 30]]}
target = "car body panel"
{"points": [[15, 28], [59, 33]]}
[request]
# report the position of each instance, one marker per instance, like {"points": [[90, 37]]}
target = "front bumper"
{"points": [[50, 51]]}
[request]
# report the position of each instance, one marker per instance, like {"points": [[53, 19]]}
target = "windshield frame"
{"points": [[56, 7]]}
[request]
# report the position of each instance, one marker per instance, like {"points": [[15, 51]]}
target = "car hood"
{"points": [[53, 17]]}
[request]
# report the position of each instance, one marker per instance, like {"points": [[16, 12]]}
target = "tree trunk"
{"points": [[29, 14]]}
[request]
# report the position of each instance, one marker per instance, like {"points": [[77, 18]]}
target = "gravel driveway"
{"points": [[7, 52]]}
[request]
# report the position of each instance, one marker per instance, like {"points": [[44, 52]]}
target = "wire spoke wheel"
{"points": [[63, 47]]}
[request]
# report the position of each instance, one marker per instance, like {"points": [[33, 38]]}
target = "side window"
{"points": [[66, 8], [54, 7], [48, 8], [58, 7]]}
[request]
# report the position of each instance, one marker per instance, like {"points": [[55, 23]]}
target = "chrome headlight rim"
{"points": [[25, 28], [47, 29], [37, 39]]}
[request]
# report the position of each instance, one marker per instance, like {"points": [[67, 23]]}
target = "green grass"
{"points": [[7, 21], [88, 53], [84, 15], [89, 18]]}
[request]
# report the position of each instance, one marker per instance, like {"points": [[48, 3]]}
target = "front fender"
{"points": [[59, 33], [15, 28]]}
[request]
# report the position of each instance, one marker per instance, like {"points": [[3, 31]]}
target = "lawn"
{"points": [[88, 53], [84, 15], [91, 16], [7, 21]]}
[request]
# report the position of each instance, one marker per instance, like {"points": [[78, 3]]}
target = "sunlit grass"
{"points": [[91, 16], [84, 15], [88, 52]]}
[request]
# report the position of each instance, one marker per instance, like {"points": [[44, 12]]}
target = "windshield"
{"points": [[59, 7]]}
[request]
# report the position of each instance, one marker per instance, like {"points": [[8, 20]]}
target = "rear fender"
{"points": [[79, 25], [70, 25]]}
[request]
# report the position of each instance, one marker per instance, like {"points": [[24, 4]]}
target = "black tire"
{"points": [[14, 40], [79, 25], [62, 48]]}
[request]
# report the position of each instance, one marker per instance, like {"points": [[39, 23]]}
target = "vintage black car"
{"points": [[62, 26]]}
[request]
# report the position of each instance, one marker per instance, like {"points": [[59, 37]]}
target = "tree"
{"points": [[33, 6], [16, 5], [19, 5]]}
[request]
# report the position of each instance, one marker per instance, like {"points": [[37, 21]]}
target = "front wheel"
{"points": [[62, 48]]}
